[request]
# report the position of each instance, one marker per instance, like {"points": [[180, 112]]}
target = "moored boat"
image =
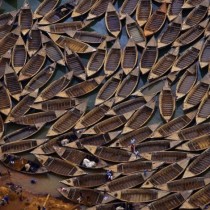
{"points": [[7, 17], [5, 59], [205, 54], [128, 7], [191, 4], [174, 9]]}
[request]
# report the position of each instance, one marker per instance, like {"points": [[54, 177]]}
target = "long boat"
{"points": [[129, 57], [174, 9], [19, 55], [8, 17], [5, 29], [205, 54], [1, 126], [156, 20], [68, 120], [128, 7], [135, 32], [186, 81], [207, 30], [5, 59], [191, 4], [76, 157], [149, 56]]}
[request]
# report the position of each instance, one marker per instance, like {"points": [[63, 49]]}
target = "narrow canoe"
{"points": [[140, 117], [199, 165], [55, 87], [207, 30], [113, 59], [112, 20], [128, 85], [1, 126], [74, 64], [96, 60], [205, 54], [39, 80], [34, 65], [129, 57], [109, 88], [164, 64], [171, 33], [187, 81], [58, 14], [174, 9], [7, 17], [156, 20], [19, 55], [5, 59], [25, 18], [5, 29], [191, 4], [93, 116], [128, 7], [135, 32], [143, 11], [73, 44], [11, 81], [196, 15], [58, 166], [174, 125], [82, 88], [149, 56], [196, 93], [68, 120], [111, 154], [19, 165], [167, 103], [45, 7], [139, 135]]}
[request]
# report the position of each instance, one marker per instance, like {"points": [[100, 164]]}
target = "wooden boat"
{"points": [[164, 64], [94, 115], [82, 88], [111, 154], [140, 117], [89, 180], [34, 41], [53, 51], [20, 146], [8, 17], [172, 201], [139, 135], [11, 81], [113, 59], [149, 56], [98, 9], [175, 9], [191, 4], [128, 85], [5, 59], [129, 56], [196, 15], [74, 63], [167, 103], [199, 165], [76, 157], [1, 126], [171, 33], [187, 81], [191, 35], [109, 124], [166, 174], [73, 44], [89, 197], [19, 165], [82, 8], [139, 195], [19, 55], [55, 87], [58, 14], [5, 100], [156, 20], [125, 182], [128, 7], [25, 18], [48, 147], [109, 88], [205, 54], [135, 32], [58, 166], [5, 29], [196, 93], [96, 140], [174, 125], [34, 65], [39, 80], [96, 60], [112, 20], [68, 120], [143, 11], [45, 7], [207, 30]]}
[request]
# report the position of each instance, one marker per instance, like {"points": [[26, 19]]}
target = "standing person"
{"points": [[38, 207]]}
